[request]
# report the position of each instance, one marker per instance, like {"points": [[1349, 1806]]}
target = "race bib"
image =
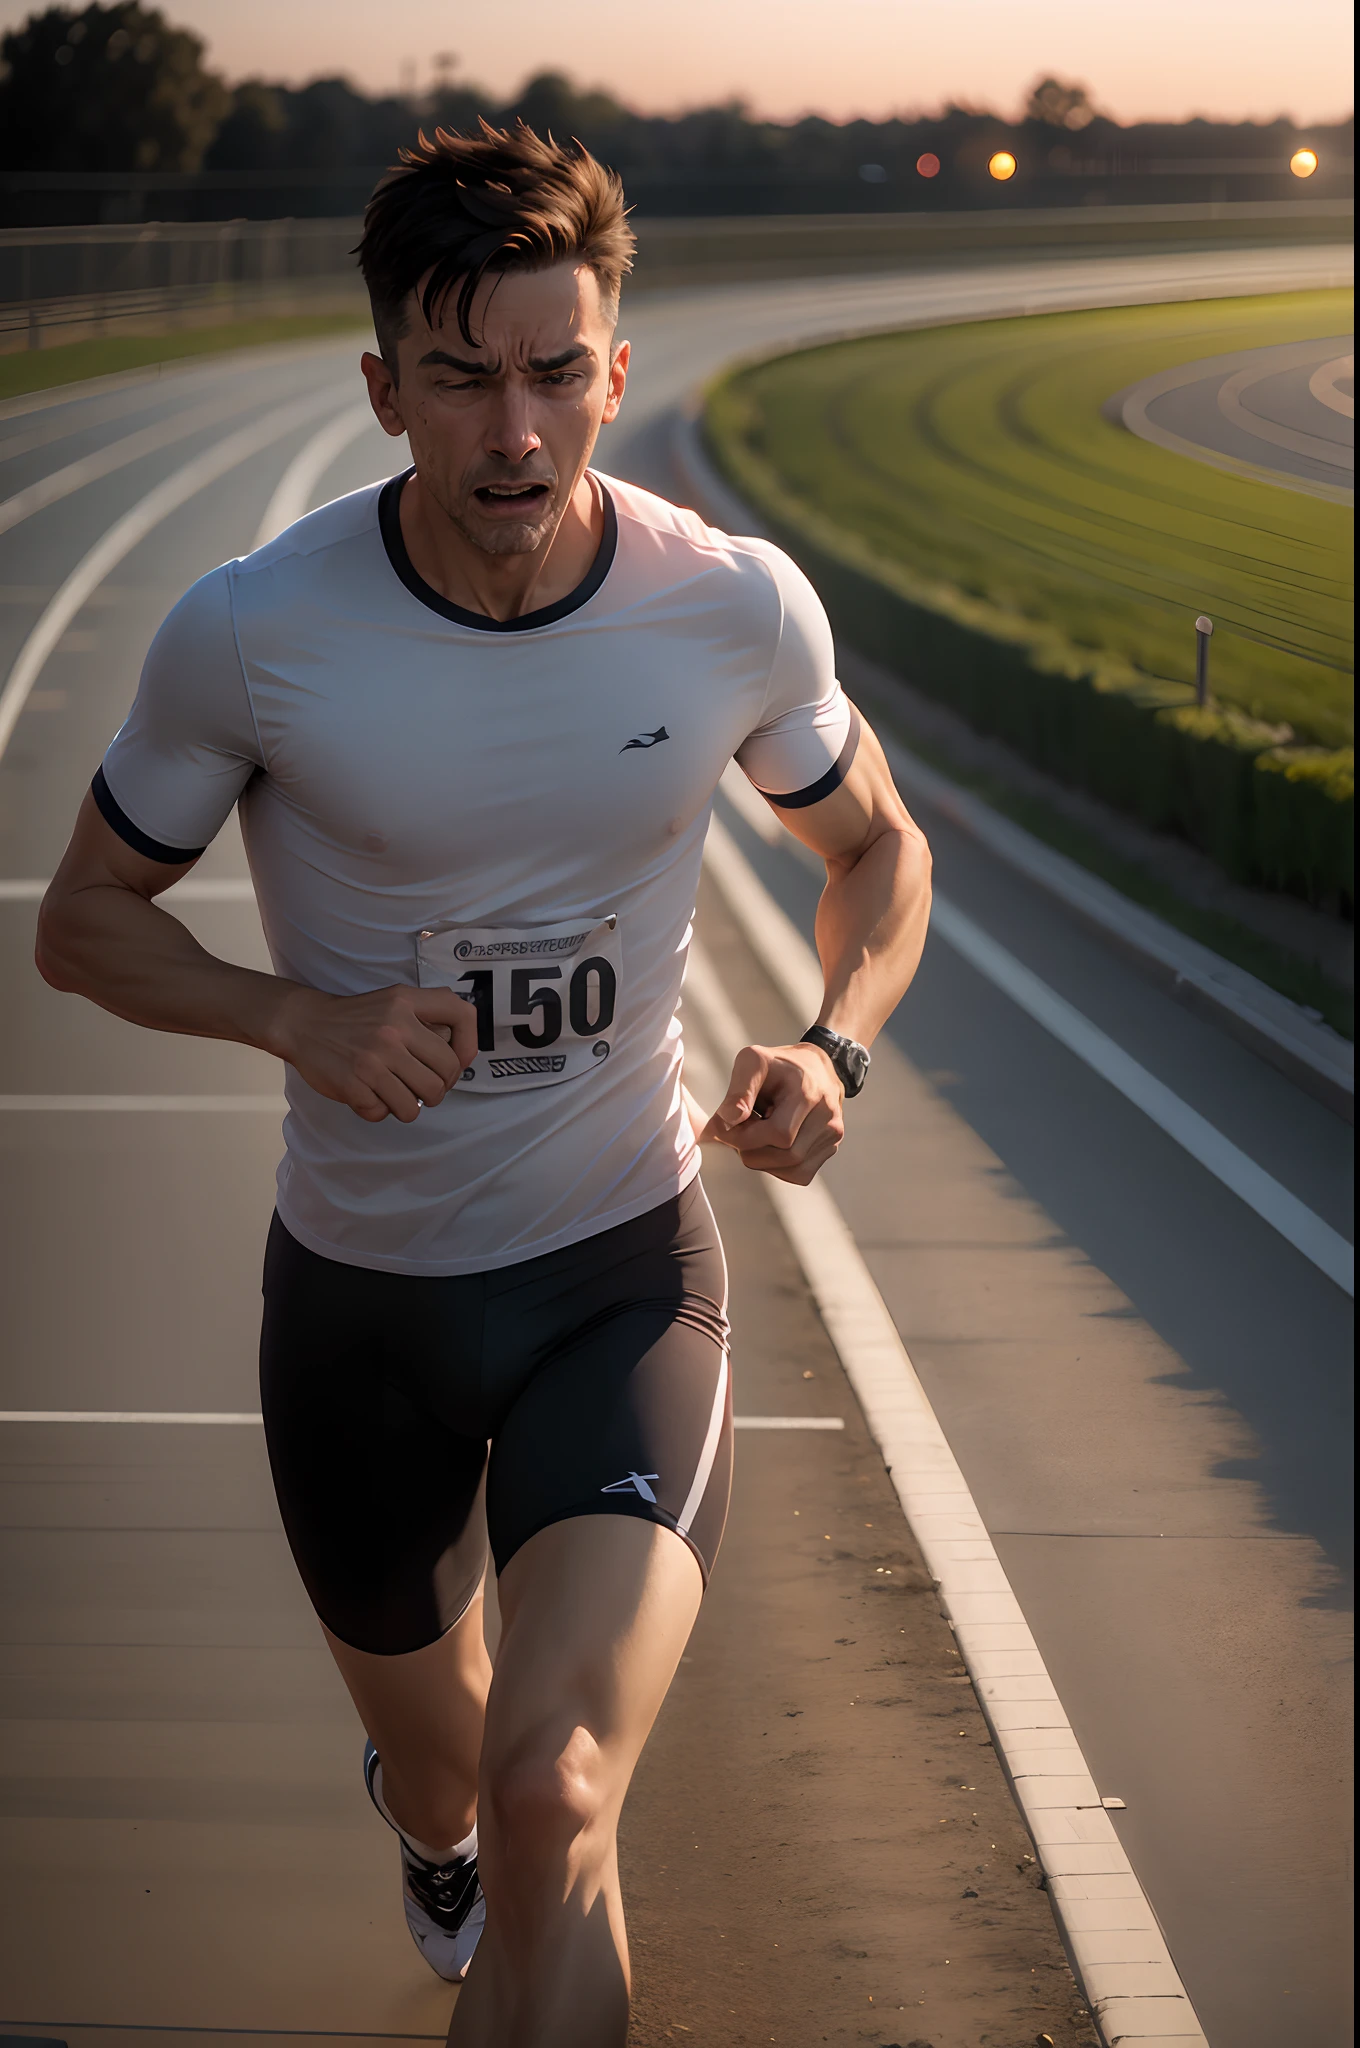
{"points": [[545, 998]]}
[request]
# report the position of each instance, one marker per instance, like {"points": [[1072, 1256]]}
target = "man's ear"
{"points": [[618, 378], [382, 394]]}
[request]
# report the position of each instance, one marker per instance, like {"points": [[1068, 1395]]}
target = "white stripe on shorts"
{"points": [[709, 1452]]}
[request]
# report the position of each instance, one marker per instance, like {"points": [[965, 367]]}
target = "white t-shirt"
{"points": [[515, 809]]}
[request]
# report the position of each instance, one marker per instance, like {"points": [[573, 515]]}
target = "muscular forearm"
{"points": [[123, 952], [871, 928]]}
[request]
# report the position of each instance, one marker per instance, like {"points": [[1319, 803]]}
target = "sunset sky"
{"points": [[1169, 58]]}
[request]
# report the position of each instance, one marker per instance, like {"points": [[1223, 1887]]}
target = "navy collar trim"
{"points": [[389, 525]]}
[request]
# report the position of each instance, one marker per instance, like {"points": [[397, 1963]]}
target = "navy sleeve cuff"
{"points": [[113, 814], [825, 785]]}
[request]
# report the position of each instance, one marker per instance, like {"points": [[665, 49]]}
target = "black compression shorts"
{"points": [[597, 1373]]}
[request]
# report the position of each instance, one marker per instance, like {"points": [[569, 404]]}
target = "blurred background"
{"points": [[1027, 332], [207, 111]]}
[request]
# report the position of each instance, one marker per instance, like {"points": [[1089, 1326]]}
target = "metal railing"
{"points": [[64, 284]]}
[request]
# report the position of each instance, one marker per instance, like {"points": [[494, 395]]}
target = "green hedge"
{"points": [[1269, 812]]}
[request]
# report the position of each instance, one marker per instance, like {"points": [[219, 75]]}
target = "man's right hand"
{"points": [[384, 1054]]}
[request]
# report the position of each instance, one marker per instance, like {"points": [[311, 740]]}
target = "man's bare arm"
{"points": [[875, 908], [783, 1107], [102, 935]]}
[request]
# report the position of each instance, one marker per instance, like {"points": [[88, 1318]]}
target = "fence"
{"points": [[66, 284]]}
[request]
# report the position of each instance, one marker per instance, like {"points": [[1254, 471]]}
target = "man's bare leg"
{"points": [[596, 1612], [424, 1715]]}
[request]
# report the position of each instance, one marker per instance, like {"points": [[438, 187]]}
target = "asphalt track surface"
{"points": [[1148, 1389], [1286, 414]]}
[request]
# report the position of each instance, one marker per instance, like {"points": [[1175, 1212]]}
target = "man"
{"points": [[473, 721]]}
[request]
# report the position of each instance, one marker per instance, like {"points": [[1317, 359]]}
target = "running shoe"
{"points": [[445, 1910]]}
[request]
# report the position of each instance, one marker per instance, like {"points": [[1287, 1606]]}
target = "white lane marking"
{"points": [[1324, 381], [788, 1422], [1261, 1192], [293, 494], [1081, 1854], [101, 1415], [134, 526], [194, 889], [103, 1104], [774, 938], [1138, 420], [88, 469], [1318, 447], [791, 963], [193, 1416], [1267, 1014]]}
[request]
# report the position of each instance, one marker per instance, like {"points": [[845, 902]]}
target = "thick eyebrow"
{"points": [[559, 362], [442, 358]]}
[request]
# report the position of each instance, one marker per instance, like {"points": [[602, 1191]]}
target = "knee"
{"points": [[546, 1801]]}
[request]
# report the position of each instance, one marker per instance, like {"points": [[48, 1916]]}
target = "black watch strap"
{"points": [[847, 1055]]}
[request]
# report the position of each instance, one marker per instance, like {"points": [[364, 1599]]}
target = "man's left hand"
{"points": [[782, 1111]]}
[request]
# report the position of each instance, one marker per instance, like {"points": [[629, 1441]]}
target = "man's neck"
{"points": [[502, 586]]}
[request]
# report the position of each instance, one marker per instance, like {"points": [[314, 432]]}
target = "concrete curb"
{"points": [[1318, 1059]]}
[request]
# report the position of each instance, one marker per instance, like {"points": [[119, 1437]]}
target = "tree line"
{"points": [[118, 88]]}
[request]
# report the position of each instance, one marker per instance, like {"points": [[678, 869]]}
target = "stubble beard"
{"points": [[508, 536]]}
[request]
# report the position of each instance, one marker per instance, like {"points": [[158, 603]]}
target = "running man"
{"points": [[472, 721]]}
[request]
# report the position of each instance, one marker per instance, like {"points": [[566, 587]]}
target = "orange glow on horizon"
{"points": [[1002, 166], [1303, 163]]}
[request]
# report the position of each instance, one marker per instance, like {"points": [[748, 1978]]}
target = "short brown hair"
{"points": [[461, 206]]}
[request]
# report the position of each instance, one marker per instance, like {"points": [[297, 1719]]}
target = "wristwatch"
{"points": [[847, 1056]]}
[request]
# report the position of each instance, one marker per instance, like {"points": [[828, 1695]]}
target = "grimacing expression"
{"points": [[501, 432]]}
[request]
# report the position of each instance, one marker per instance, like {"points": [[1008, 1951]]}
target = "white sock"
{"points": [[458, 1853]]}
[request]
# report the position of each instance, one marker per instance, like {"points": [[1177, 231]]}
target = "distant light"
{"points": [[1303, 163], [1002, 166], [873, 174], [928, 165]]}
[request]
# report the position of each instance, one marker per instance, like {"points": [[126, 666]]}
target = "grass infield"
{"points": [[977, 458], [73, 362]]}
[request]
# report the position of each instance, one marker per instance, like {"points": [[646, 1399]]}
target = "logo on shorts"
{"points": [[636, 1482], [646, 739]]}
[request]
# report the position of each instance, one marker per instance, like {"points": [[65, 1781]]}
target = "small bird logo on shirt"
{"points": [[646, 739]]}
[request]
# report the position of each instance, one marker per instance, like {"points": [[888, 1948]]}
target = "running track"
{"points": [[1147, 1386]]}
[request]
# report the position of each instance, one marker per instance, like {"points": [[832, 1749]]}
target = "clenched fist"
{"points": [[384, 1054], [782, 1111]]}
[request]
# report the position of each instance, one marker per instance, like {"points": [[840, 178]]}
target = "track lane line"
{"points": [[1324, 382], [115, 455], [135, 524], [134, 1415], [293, 493], [1111, 1933], [1299, 1225], [791, 963], [788, 1422], [101, 1105], [193, 889], [195, 1417]]}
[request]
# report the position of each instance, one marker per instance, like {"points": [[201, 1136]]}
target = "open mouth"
{"points": [[520, 496]]}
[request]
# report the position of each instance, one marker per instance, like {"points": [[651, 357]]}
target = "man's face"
{"points": [[501, 432]]}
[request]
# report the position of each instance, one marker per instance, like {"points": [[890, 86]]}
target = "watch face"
{"points": [[849, 1058], [855, 1062]]}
